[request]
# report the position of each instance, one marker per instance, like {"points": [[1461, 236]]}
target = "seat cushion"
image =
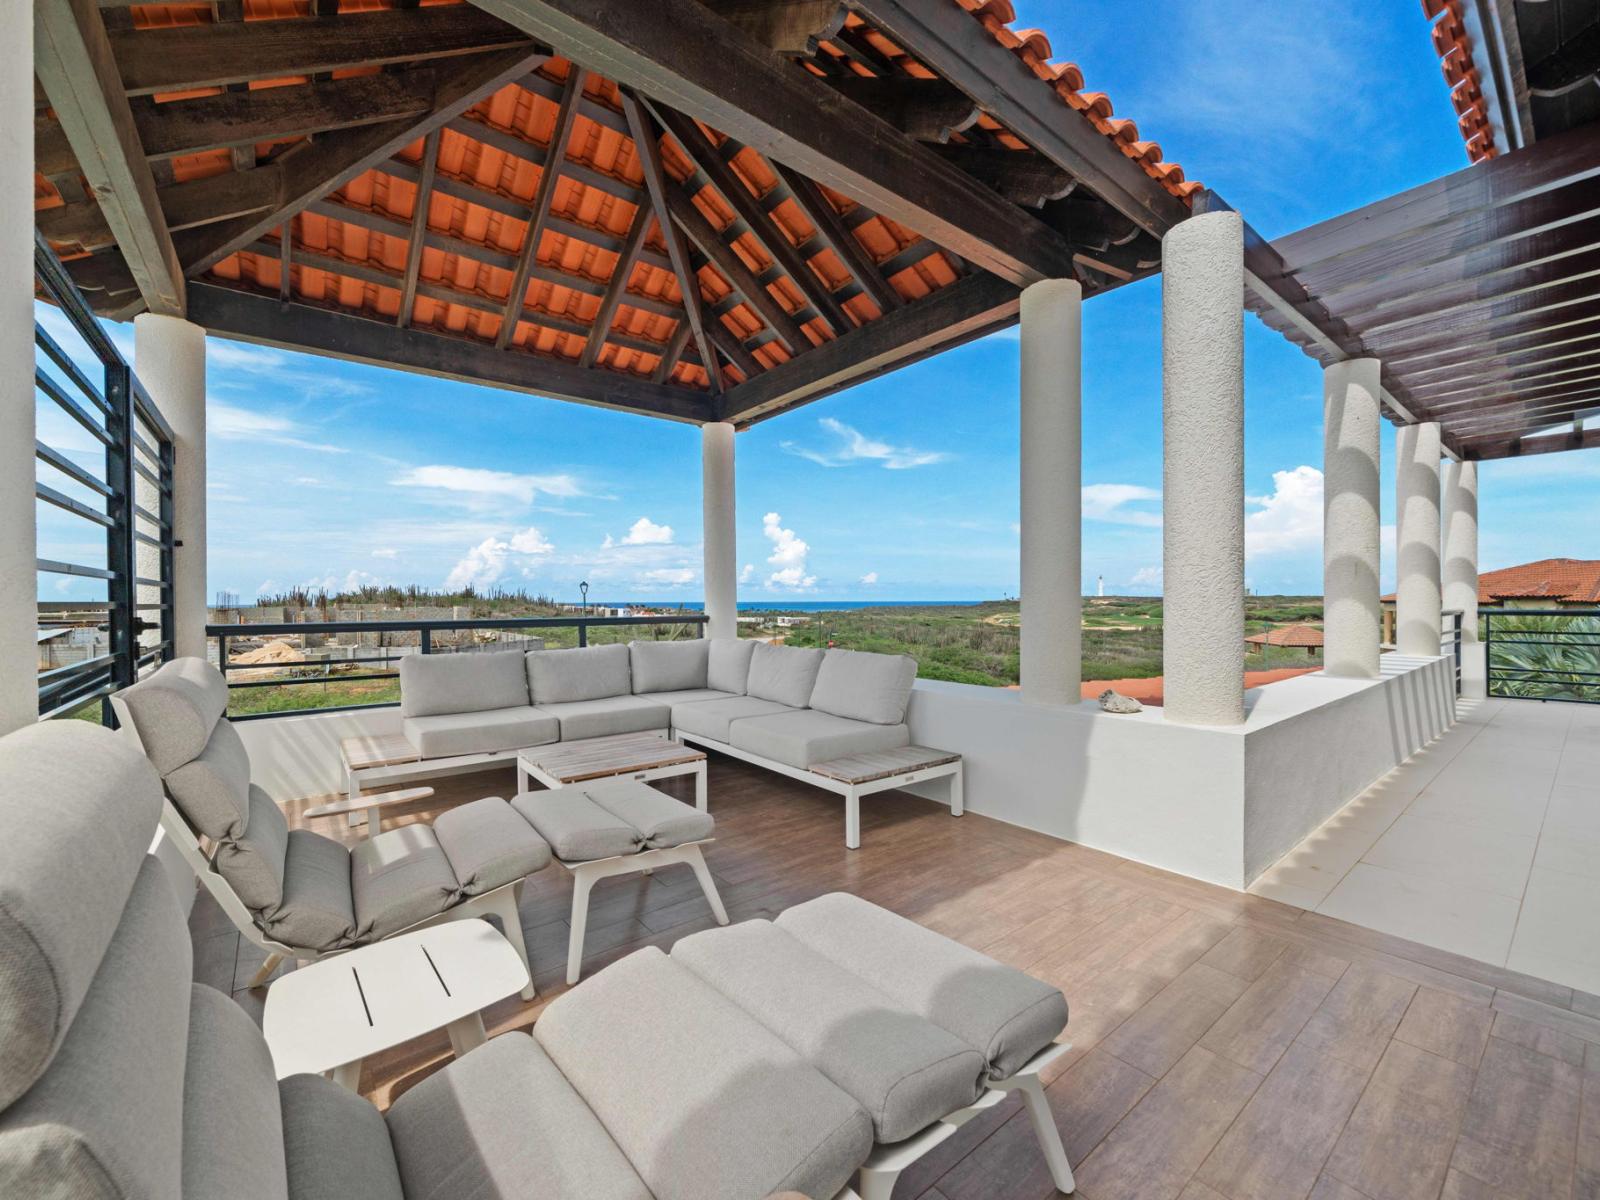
{"points": [[728, 664], [864, 687], [748, 1116], [397, 878], [801, 739], [335, 1144], [587, 673], [212, 791], [484, 732], [488, 845], [687, 696], [659, 819], [577, 828], [612, 714], [253, 861], [175, 708], [232, 1123], [903, 1069], [711, 718], [783, 673], [315, 910], [434, 685], [668, 666], [1004, 1014], [501, 1123]]}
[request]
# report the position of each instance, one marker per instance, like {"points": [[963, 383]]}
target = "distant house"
{"points": [[1547, 583], [1306, 637]]}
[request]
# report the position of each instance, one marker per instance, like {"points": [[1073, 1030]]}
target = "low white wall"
{"points": [[292, 757]]}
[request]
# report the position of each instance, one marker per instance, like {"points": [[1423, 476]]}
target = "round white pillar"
{"points": [[19, 580], [170, 359], [1459, 576], [1352, 612], [719, 541], [1052, 492], [1202, 406], [1416, 490]]}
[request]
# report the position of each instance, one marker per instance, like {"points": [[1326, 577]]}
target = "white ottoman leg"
{"points": [[708, 885], [581, 883]]}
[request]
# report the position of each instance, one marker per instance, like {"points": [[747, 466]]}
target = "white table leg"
{"points": [[700, 785], [348, 1076], [466, 1034], [353, 780], [958, 803], [852, 820], [523, 782], [581, 883], [708, 885]]}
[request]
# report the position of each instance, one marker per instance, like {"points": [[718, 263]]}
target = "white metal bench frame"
{"points": [[852, 792]]}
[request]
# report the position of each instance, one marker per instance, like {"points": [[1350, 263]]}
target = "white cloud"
{"points": [[1290, 519], [870, 578], [352, 581], [854, 446], [1146, 577], [643, 532], [478, 485], [788, 556], [386, 552], [487, 563], [747, 573], [530, 541], [1110, 502], [666, 576], [244, 366], [247, 425]]}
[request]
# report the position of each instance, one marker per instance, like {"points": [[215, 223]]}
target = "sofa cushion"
{"points": [[687, 696], [501, 1123], [728, 664], [612, 714], [488, 845], [435, 684], [807, 737], [335, 1144], [903, 1069], [212, 790], [783, 673], [316, 910], [232, 1124], [668, 666], [1004, 1014], [577, 828], [397, 878], [58, 779], [485, 732], [175, 708], [748, 1116], [587, 673], [253, 861], [659, 819], [864, 687], [711, 718]]}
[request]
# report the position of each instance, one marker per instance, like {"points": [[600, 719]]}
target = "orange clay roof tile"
{"points": [[1454, 47]]}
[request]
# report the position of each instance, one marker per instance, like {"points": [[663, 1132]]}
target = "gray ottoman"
{"points": [[617, 827]]}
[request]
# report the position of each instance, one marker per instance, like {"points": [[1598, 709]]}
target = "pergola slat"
{"points": [[418, 233], [617, 291], [833, 230]]}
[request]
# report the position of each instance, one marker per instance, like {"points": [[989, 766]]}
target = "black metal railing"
{"points": [[384, 644], [1543, 654], [118, 482], [1450, 639]]}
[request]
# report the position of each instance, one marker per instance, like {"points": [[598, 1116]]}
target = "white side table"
{"points": [[329, 1015]]}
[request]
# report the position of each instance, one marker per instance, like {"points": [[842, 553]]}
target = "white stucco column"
{"points": [[19, 692], [170, 359], [1052, 492], [1202, 406], [1351, 425], [719, 542], [1416, 502], [1459, 576]]}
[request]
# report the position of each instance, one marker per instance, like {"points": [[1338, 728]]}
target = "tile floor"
{"points": [[1487, 843]]}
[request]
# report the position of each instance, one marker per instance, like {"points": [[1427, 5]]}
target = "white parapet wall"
{"points": [[1218, 803]]}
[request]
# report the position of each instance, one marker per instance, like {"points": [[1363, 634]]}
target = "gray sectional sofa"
{"points": [[839, 1042]]}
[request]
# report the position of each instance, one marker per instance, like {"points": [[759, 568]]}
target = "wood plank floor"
{"points": [[1224, 1045]]}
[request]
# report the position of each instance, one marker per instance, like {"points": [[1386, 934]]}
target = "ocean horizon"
{"points": [[792, 605]]}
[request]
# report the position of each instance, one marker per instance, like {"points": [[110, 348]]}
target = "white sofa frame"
{"points": [[852, 792], [501, 902]]}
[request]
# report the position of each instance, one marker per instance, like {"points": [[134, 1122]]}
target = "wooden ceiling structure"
{"points": [[694, 209]]}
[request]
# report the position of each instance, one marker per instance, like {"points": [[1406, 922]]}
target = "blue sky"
{"points": [[327, 473]]}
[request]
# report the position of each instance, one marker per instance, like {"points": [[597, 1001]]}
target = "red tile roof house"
{"points": [[1546, 583]]}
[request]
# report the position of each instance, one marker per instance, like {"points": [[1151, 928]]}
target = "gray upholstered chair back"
{"points": [[118, 1076]]}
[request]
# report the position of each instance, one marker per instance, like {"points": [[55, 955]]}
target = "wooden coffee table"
{"points": [[641, 756]]}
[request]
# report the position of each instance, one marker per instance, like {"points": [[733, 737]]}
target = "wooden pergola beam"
{"points": [[789, 27], [230, 313], [189, 57], [417, 239], [681, 53], [617, 290], [968, 308], [543, 197], [831, 228], [76, 65], [929, 110], [185, 205]]}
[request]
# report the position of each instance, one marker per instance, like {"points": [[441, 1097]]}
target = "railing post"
{"points": [[427, 641], [583, 633], [122, 595]]}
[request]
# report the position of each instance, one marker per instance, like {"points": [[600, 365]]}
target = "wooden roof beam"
{"points": [[929, 110], [787, 114], [74, 61], [1020, 177], [833, 230], [185, 206], [617, 289], [417, 239], [789, 27]]}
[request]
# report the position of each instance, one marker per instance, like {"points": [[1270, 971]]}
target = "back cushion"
{"points": [[78, 809], [728, 668], [175, 709], [589, 673], [864, 687], [213, 790], [784, 674], [232, 1122], [669, 666], [434, 684], [252, 862], [106, 1119]]}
